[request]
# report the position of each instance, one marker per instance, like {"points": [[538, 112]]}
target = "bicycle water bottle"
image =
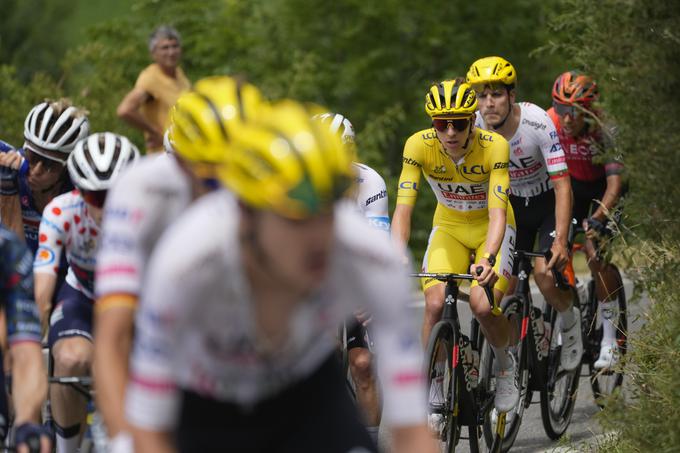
{"points": [[470, 359], [541, 338]]}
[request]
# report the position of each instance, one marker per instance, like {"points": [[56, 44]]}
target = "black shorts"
{"points": [[586, 197], [313, 415], [535, 216], [71, 317]]}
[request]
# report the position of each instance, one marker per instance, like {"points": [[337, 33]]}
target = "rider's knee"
{"points": [[434, 303], [480, 307], [71, 357]]}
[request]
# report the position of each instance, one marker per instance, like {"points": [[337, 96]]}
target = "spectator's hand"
{"points": [[154, 141], [488, 277], [560, 256]]}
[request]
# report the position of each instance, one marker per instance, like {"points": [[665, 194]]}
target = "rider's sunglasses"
{"points": [[459, 124], [34, 157], [95, 198], [564, 109]]}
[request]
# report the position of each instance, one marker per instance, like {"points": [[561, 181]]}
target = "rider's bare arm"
{"points": [[45, 285], [563, 205], [29, 387], [153, 442], [611, 196], [401, 224], [113, 325], [413, 439]]}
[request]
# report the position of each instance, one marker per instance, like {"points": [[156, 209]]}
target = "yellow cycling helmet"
{"points": [[489, 70], [451, 97], [288, 163], [203, 120]]}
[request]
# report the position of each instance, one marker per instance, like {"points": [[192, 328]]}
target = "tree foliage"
{"points": [[372, 61]]}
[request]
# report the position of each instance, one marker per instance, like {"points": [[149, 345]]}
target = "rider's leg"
{"points": [[607, 287], [434, 305], [70, 341], [366, 386], [72, 357], [445, 254]]}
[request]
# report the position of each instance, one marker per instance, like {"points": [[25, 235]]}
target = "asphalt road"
{"points": [[584, 427]]}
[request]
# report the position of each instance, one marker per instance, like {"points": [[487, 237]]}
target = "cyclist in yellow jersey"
{"points": [[467, 168]]}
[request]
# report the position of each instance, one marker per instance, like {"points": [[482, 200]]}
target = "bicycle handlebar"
{"points": [[560, 281], [451, 278]]}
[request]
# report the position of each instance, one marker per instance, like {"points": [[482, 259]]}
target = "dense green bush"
{"points": [[632, 47]]}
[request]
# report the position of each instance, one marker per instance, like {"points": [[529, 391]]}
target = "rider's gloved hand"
{"points": [[487, 277], [10, 162], [595, 228], [32, 438]]}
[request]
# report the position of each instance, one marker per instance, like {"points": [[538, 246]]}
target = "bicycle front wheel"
{"points": [[558, 396], [442, 387], [512, 310]]}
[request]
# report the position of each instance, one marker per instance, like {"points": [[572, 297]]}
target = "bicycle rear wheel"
{"points": [[512, 309], [605, 382], [558, 396], [442, 387]]}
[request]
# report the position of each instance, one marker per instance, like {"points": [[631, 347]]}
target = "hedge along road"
{"points": [[584, 428]]}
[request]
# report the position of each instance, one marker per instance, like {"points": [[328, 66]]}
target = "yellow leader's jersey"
{"points": [[466, 189]]}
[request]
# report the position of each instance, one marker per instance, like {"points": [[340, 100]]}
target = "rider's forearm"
{"points": [[44, 291], [10, 214], [563, 205], [413, 439], [496, 232], [153, 442], [401, 225], [29, 384], [610, 198], [112, 345]]}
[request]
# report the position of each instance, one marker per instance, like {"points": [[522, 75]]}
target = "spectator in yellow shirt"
{"points": [[147, 105]]}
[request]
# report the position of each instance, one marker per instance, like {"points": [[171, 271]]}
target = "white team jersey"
{"points": [[143, 202], [196, 329], [535, 152], [66, 225], [372, 196]]}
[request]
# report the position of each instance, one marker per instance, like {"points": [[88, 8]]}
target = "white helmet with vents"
{"points": [[55, 126], [337, 124], [98, 159]]}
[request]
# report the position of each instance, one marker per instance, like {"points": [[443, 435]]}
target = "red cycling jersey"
{"points": [[579, 152]]}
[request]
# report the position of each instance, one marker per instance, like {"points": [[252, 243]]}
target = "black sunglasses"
{"points": [[459, 124]]}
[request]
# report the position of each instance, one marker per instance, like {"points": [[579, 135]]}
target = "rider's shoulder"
{"points": [[202, 227], [535, 118], [426, 136], [487, 139]]}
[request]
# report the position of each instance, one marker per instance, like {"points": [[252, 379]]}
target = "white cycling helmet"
{"points": [[337, 124], [55, 126], [168, 144], [98, 159]]}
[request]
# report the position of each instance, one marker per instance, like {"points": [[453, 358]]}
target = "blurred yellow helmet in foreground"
{"points": [[204, 119], [288, 163]]}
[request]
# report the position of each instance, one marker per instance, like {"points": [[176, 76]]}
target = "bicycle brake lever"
{"points": [[560, 281]]}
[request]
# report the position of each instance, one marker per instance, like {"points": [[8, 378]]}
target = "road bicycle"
{"points": [[605, 381], [537, 345], [457, 395]]}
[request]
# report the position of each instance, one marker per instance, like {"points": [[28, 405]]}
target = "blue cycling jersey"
{"points": [[31, 216], [16, 289]]}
